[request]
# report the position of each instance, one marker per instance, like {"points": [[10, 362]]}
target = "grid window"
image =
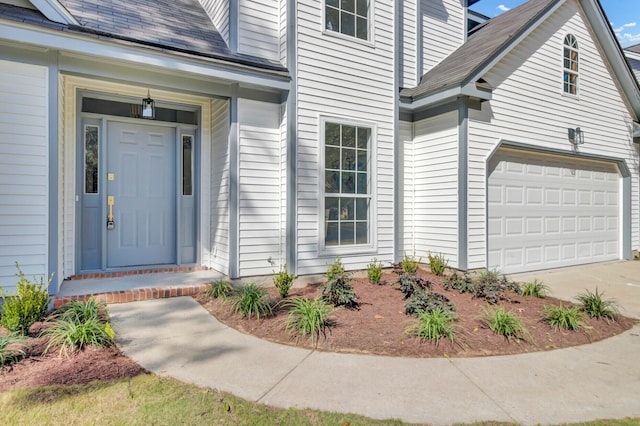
{"points": [[349, 17], [570, 78], [346, 186]]}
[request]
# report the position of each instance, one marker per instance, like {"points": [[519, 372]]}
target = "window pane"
{"points": [[332, 182], [362, 234], [187, 167], [362, 29], [346, 233], [333, 19], [347, 208], [334, 3], [348, 159], [91, 149], [331, 208], [347, 23], [348, 183], [363, 138], [332, 158], [362, 209], [332, 134], [362, 8], [362, 161], [349, 136], [349, 5], [362, 183], [331, 239]]}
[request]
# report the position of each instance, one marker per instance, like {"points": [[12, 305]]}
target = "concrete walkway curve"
{"points": [[177, 337]]}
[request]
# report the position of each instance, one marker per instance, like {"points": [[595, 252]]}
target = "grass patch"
{"points": [[535, 288], [597, 307], [433, 325], [251, 300], [308, 317], [149, 399], [563, 317], [505, 323]]}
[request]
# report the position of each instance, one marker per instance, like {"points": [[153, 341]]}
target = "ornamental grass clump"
{"points": [[597, 307], [433, 325], [251, 300], [504, 323], [338, 290], [80, 324], [535, 288], [563, 317], [11, 349], [27, 306], [219, 289], [374, 271], [308, 318]]}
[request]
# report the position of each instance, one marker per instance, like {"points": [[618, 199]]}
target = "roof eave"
{"points": [[55, 11], [478, 91]]}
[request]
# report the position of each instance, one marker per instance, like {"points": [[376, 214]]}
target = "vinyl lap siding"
{"points": [[543, 116], [219, 251], [409, 64], [259, 28], [24, 171], [435, 186], [342, 78], [218, 11], [443, 28], [260, 188]]}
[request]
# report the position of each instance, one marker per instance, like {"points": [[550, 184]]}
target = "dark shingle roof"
{"points": [[177, 25], [481, 47], [635, 48]]}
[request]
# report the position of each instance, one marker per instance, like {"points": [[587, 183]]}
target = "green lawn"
{"points": [[149, 399]]}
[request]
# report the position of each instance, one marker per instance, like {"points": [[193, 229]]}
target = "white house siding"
{"points": [[218, 11], [405, 187], [283, 32], [343, 78], [443, 27], [260, 187], [24, 171], [259, 28], [435, 186], [219, 251], [409, 64], [542, 116]]}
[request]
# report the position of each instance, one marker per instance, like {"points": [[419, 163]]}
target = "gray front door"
{"points": [[141, 179]]}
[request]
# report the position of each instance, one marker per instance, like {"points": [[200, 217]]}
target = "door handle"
{"points": [[110, 222]]}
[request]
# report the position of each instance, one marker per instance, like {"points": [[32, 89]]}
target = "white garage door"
{"points": [[549, 211]]}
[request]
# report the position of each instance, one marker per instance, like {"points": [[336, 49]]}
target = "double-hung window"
{"points": [[347, 177], [570, 76], [349, 17]]}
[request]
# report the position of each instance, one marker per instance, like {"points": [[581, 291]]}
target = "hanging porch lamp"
{"points": [[148, 107]]}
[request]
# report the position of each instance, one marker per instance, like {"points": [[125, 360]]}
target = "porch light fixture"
{"points": [[576, 136], [148, 107]]}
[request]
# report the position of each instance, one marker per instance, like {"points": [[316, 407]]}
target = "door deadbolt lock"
{"points": [[111, 225]]}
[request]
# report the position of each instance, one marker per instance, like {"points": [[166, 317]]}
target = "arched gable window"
{"points": [[570, 81]]}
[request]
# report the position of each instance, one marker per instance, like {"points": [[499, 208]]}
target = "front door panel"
{"points": [[141, 179]]}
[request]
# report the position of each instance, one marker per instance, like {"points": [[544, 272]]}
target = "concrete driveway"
{"points": [[618, 280]]}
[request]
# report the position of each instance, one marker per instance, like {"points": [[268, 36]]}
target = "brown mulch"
{"points": [[77, 368], [377, 326]]}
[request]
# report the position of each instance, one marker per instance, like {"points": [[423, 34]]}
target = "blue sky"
{"points": [[624, 15]]}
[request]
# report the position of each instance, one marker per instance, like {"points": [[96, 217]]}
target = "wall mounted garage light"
{"points": [[576, 136], [148, 107]]}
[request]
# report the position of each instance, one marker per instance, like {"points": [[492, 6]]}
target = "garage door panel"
{"points": [[547, 212]]}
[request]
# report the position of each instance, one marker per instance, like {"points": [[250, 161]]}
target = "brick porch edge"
{"points": [[134, 295]]}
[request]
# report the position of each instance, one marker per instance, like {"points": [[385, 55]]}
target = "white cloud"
{"points": [[503, 8], [624, 36], [629, 25]]}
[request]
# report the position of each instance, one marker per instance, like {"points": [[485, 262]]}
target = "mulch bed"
{"points": [[377, 326]]}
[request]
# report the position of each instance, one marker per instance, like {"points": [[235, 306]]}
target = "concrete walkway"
{"points": [[177, 337]]}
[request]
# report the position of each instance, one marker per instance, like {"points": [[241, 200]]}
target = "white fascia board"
{"points": [[54, 11], [101, 49], [636, 130], [632, 55], [439, 97]]}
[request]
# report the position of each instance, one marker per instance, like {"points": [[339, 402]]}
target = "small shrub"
{"points": [[251, 300], [409, 264], [433, 325], [460, 283], [535, 288], [437, 263], [565, 317], [504, 323], [80, 324], [28, 306], [426, 301], [219, 289], [11, 350], [308, 317], [283, 281], [338, 291], [597, 307], [493, 287], [410, 284], [374, 271]]}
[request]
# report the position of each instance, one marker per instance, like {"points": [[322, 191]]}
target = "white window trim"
{"points": [[337, 34], [355, 249], [563, 69]]}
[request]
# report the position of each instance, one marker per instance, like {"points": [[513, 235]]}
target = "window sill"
{"points": [[347, 251], [354, 39]]}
